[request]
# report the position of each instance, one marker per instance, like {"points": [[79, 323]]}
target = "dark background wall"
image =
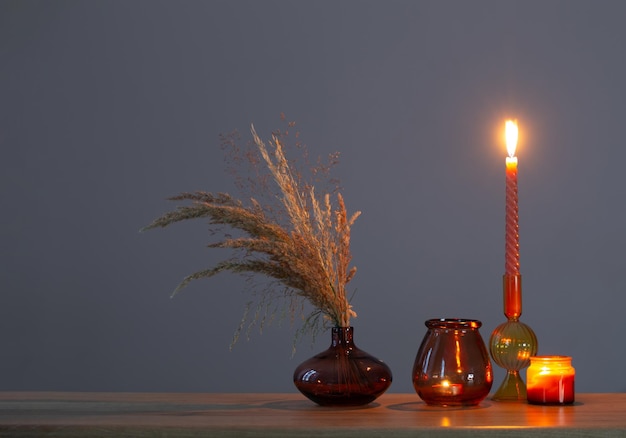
{"points": [[108, 107]]}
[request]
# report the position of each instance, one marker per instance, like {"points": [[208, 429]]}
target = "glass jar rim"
{"points": [[453, 323], [550, 358]]}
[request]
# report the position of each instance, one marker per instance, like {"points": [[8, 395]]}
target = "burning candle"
{"points": [[550, 380], [512, 277], [447, 388], [512, 226]]}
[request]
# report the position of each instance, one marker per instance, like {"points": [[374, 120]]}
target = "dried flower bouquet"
{"points": [[304, 245]]}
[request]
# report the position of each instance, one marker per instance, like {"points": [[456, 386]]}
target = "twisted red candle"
{"points": [[512, 281], [511, 266]]}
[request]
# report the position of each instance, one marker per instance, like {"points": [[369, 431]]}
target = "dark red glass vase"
{"points": [[342, 375]]}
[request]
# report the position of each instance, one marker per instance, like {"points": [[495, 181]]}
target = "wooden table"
{"points": [[291, 415]]}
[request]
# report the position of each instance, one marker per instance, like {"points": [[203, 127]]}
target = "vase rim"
{"points": [[453, 323]]}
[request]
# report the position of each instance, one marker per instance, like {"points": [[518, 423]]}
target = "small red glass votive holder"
{"points": [[550, 380]]}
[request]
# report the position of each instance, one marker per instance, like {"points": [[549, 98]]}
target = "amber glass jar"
{"points": [[550, 380], [452, 366]]}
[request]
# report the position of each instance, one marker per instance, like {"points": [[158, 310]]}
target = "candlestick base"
{"points": [[512, 388], [511, 345]]}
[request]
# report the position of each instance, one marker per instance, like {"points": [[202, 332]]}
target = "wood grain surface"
{"points": [[291, 415]]}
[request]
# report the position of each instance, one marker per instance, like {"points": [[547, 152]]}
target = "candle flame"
{"points": [[511, 137]]}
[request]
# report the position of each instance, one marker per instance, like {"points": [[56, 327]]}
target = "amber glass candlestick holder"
{"points": [[512, 343]]}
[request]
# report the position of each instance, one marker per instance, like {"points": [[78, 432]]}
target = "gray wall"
{"points": [[108, 107]]}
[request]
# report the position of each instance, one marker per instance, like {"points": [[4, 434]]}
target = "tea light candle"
{"points": [[550, 380], [447, 388]]}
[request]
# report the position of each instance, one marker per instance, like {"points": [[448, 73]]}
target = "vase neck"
{"points": [[342, 336]]}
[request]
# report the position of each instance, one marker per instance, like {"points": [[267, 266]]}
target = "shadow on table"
{"points": [[307, 405]]}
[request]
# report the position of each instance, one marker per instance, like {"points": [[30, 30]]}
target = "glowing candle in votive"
{"points": [[550, 380], [447, 388]]}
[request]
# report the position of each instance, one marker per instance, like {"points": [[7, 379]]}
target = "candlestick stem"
{"points": [[512, 299]]}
